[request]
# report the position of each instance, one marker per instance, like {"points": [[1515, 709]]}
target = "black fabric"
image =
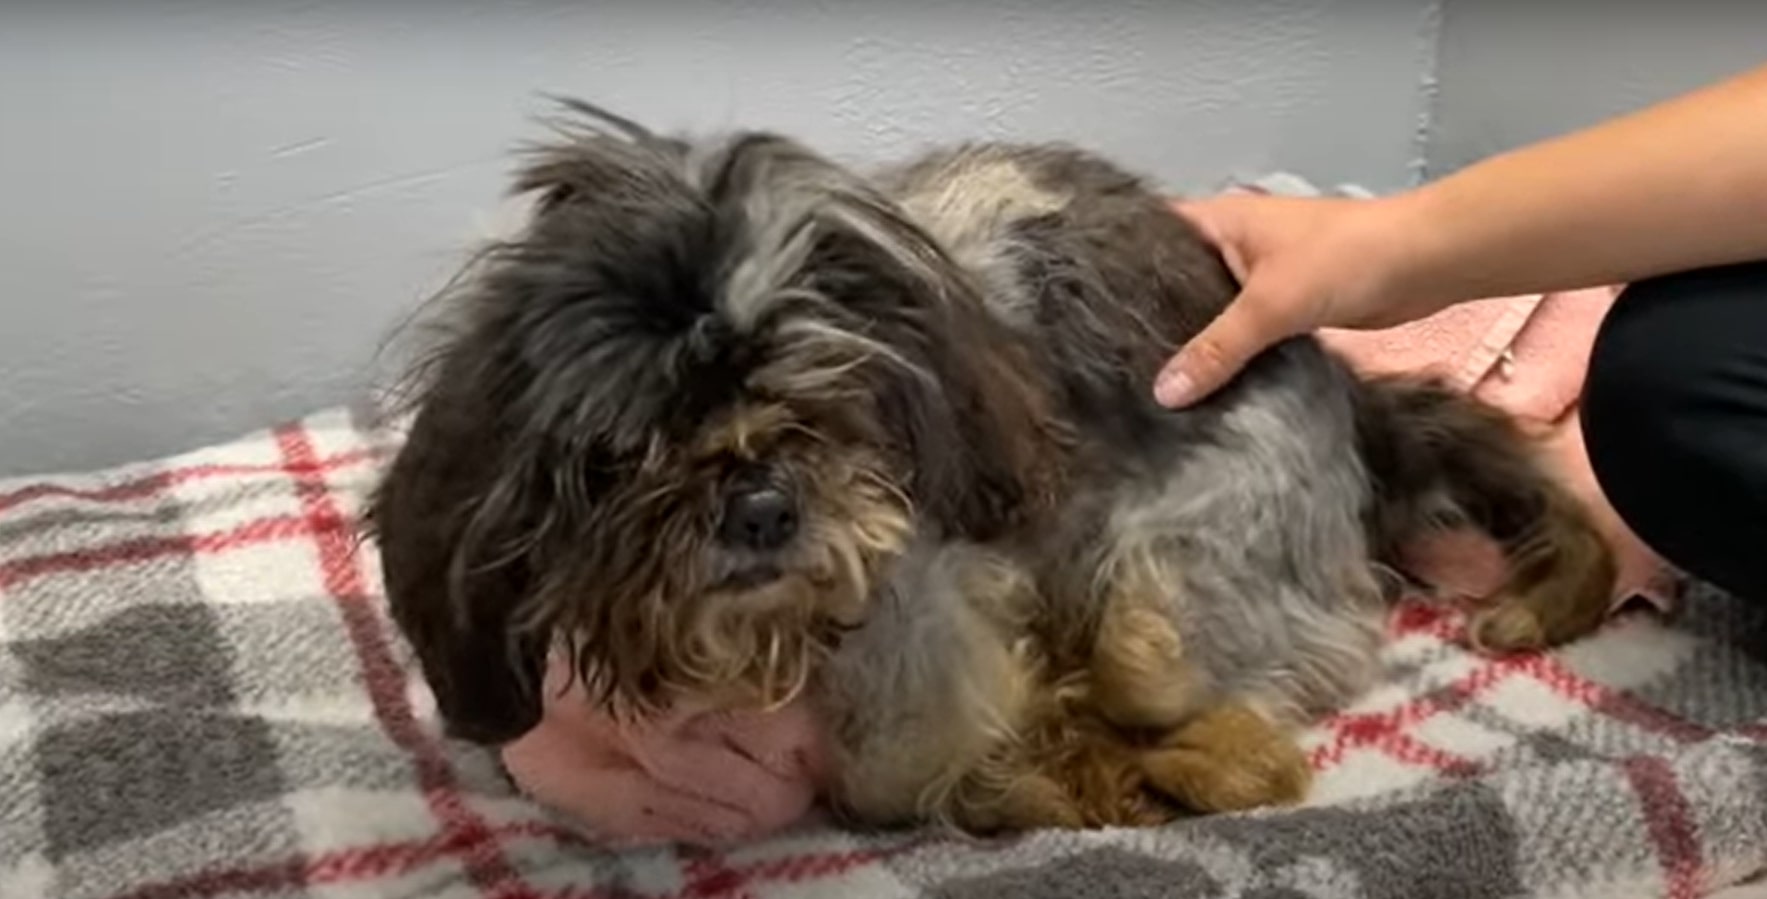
{"points": [[1675, 418]]}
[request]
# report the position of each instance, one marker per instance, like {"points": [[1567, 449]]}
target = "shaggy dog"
{"points": [[729, 419]]}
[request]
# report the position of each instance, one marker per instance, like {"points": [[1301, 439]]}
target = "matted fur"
{"points": [[1019, 591]]}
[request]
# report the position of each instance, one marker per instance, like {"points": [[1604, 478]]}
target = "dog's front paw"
{"points": [[1228, 759], [1026, 801]]}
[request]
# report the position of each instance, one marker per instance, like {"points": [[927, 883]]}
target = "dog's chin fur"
{"points": [[1019, 592]]}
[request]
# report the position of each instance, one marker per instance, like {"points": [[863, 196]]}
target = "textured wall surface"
{"points": [[215, 212], [1511, 72]]}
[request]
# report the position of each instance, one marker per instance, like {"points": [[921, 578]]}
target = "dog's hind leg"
{"points": [[1206, 753], [1437, 453]]}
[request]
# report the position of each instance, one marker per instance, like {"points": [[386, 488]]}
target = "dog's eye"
{"points": [[612, 466]]}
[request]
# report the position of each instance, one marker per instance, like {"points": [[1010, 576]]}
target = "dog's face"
{"points": [[686, 420]]}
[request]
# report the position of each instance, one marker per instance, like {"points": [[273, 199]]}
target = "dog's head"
{"points": [[684, 421]]}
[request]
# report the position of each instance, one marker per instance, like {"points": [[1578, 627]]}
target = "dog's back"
{"points": [[1080, 258], [1260, 517], [1246, 512], [1089, 266], [1210, 576]]}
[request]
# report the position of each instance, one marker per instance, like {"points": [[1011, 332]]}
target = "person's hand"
{"points": [[1302, 264]]}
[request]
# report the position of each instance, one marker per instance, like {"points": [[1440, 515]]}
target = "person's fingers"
{"points": [[1214, 356], [1212, 217], [1214, 220]]}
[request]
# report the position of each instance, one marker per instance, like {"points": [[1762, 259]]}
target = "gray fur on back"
{"points": [[1248, 510], [1252, 503], [1261, 528]]}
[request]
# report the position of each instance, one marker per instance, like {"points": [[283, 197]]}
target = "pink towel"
{"points": [[1529, 356], [699, 776]]}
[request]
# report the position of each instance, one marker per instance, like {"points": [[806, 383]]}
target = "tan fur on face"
{"points": [[753, 646], [746, 431], [761, 645]]}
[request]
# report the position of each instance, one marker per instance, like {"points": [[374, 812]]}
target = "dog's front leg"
{"points": [[932, 702]]}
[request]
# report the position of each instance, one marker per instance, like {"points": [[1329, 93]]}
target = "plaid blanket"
{"points": [[201, 696]]}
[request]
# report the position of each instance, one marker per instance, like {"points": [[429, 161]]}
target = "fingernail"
{"points": [[1172, 388]]}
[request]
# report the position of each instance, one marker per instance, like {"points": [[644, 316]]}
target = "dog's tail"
{"points": [[1441, 459]]}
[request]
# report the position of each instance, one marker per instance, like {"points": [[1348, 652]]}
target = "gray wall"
{"points": [[1511, 72], [215, 212]]}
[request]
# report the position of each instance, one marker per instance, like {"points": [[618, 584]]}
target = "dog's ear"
{"points": [[969, 405], [1006, 431], [977, 428], [439, 515]]}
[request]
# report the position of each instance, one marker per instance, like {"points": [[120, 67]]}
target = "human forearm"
{"points": [[1676, 186]]}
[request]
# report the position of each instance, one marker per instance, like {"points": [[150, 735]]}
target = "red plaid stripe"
{"points": [[711, 875], [385, 860], [334, 535], [1665, 806], [155, 484], [263, 530], [1671, 824], [1387, 731]]}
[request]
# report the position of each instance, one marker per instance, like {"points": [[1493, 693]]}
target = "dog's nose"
{"points": [[761, 518]]}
